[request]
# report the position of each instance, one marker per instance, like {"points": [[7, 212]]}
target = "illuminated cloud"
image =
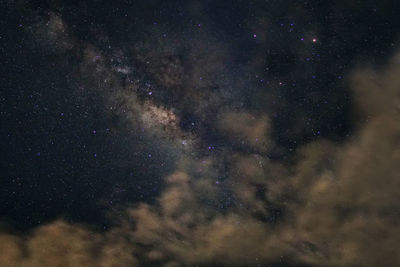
{"points": [[339, 203], [246, 129]]}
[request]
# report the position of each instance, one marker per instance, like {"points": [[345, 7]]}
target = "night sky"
{"points": [[199, 133]]}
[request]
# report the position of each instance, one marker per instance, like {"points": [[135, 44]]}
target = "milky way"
{"points": [[199, 133]]}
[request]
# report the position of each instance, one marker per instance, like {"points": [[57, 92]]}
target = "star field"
{"points": [[199, 133]]}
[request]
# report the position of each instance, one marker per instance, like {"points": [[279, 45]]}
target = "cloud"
{"points": [[340, 200], [246, 129], [63, 244], [52, 33]]}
